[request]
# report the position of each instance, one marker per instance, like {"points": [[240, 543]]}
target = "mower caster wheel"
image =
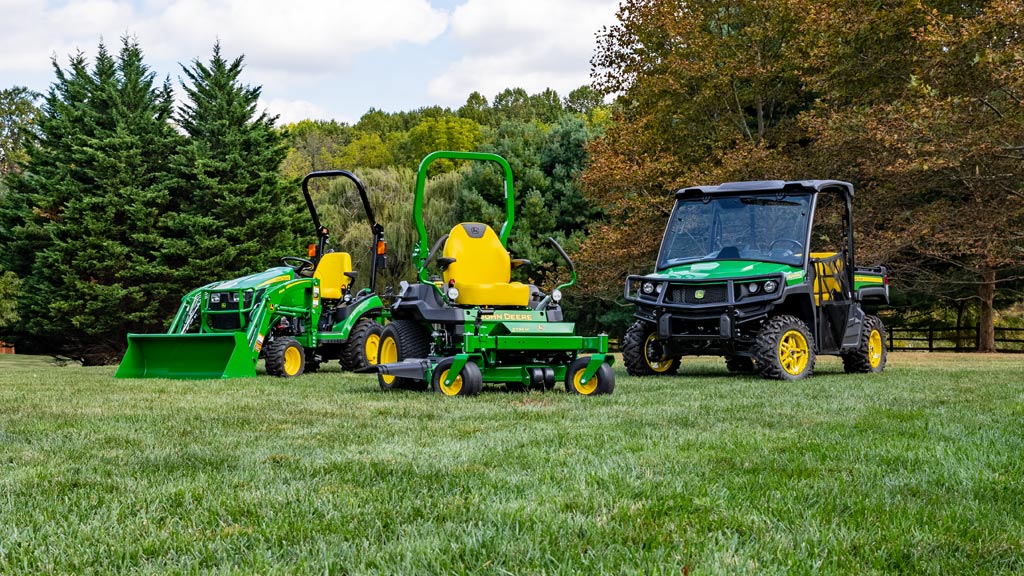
{"points": [[467, 383], [285, 357], [603, 381]]}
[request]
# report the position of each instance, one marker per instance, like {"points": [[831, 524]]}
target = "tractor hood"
{"points": [[254, 281], [728, 269]]}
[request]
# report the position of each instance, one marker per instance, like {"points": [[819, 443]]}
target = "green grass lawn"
{"points": [[917, 470]]}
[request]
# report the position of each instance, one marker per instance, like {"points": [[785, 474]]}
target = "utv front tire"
{"points": [[362, 346], [871, 355], [285, 357], [784, 349], [643, 354], [400, 340]]}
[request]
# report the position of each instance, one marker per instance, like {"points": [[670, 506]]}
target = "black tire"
{"points": [[285, 357], [784, 349], [739, 364], [401, 340], [643, 354], [362, 346], [603, 381], [467, 383], [871, 355]]}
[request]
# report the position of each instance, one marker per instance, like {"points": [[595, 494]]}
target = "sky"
{"points": [[323, 59]]}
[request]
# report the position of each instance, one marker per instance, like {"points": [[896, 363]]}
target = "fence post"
{"points": [[977, 335], [931, 338]]}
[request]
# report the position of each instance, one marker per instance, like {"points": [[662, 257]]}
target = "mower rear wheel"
{"points": [[870, 356], [784, 349], [467, 383], [603, 381], [402, 339], [285, 357], [644, 354], [362, 346]]}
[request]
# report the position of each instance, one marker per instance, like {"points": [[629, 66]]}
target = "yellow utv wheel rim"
{"points": [[584, 389], [388, 354], [370, 349], [292, 361], [658, 366], [875, 347], [793, 352], [452, 389]]}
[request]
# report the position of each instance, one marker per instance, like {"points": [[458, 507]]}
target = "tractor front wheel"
{"points": [[468, 382], [644, 354], [784, 349], [401, 340], [870, 356], [285, 357], [602, 382], [362, 346]]}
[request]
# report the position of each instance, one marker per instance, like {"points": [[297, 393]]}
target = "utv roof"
{"points": [[768, 186]]}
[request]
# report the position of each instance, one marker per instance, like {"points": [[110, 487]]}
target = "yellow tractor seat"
{"points": [[331, 272], [482, 268]]}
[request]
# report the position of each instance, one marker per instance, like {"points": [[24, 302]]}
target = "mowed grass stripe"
{"points": [[916, 470]]}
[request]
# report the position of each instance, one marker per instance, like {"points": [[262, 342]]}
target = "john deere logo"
{"points": [[699, 294]]}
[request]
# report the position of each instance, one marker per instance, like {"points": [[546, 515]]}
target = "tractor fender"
{"points": [[345, 318]]}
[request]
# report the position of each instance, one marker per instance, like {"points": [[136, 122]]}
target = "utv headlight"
{"points": [[648, 287], [233, 297], [453, 293], [215, 298], [770, 286], [753, 287], [556, 295]]}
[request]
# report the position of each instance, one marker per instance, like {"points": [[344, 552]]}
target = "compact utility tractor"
{"points": [[294, 316], [762, 273], [467, 323]]}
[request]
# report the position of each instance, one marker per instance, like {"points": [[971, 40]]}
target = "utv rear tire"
{"points": [[362, 346], [784, 349], [285, 357], [401, 340], [603, 381], [871, 355], [643, 354]]}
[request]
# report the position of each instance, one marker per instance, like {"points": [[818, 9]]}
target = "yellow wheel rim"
{"points": [[875, 348], [793, 352], [585, 389], [388, 354], [370, 349], [452, 389], [292, 360], [658, 366]]}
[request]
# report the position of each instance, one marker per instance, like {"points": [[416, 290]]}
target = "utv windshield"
{"points": [[765, 228]]}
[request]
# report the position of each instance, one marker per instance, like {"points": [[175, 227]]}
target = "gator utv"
{"points": [[469, 324], [762, 273], [294, 316]]}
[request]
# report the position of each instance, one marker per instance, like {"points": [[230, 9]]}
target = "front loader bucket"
{"points": [[187, 356]]}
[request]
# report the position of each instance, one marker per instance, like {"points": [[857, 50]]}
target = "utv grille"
{"points": [[703, 294]]}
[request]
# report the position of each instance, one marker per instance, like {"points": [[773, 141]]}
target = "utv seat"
{"points": [[828, 270], [335, 274], [481, 268]]}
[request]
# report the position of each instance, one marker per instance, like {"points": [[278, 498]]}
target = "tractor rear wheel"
{"points": [[644, 354], [870, 356], [400, 340], [468, 382], [784, 349], [285, 357], [603, 381], [362, 346]]}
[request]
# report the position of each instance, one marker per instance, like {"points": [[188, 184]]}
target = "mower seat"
{"points": [[482, 268], [331, 272]]}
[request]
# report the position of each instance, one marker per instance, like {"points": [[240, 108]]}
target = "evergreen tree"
{"points": [[236, 214]]}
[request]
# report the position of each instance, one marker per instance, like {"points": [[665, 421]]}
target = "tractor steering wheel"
{"points": [[298, 264], [794, 245]]}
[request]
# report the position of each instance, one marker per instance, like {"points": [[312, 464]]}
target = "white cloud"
{"points": [[289, 111], [532, 44]]}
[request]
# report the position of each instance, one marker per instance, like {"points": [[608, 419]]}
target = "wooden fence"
{"points": [[953, 339]]}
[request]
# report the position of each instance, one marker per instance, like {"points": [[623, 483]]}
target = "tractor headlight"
{"points": [[770, 286], [753, 287], [556, 295], [648, 287], [453, 293], [215, 298]]}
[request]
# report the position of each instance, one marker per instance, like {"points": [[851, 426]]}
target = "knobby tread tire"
{"points": [[766, 347], [859, 362], [274, 355], [353, 353], [633, 354]]}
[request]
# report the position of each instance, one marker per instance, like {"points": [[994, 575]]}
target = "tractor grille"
{"points": [[700, 294]]}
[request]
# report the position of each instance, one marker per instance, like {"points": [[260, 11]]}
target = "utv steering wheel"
{"points": [[793, 244], [298, 264]]}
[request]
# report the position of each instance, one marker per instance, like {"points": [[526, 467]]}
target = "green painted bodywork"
{"points": [[729, 269]]}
